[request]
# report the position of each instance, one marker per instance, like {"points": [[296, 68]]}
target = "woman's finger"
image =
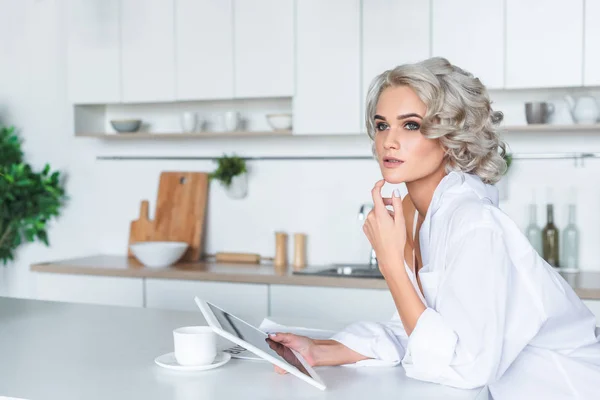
{"points": [[397, 203], [280, 370], [376, 194], [283, 338]]}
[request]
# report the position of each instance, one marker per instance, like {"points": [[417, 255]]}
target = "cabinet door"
{"points": [[385, 43], [594, 306], [343, 305], [544, 43], [470, 34], [203, 45], [264, 48], [327, 93], [591, 71], [247, 301], [148, 50], [93, 61], [89, 289]]}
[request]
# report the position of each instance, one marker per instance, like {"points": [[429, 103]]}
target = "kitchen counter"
{"points": [[69, 351], [586, 284], [108, 265]]}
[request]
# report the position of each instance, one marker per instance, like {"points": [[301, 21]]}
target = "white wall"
{"points": [[320, 198]]}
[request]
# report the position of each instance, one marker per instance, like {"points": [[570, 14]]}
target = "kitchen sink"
{"points": [[344, 270]]}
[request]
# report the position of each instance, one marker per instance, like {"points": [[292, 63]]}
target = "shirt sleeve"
{"points": [[460, 343], [384, 343]]}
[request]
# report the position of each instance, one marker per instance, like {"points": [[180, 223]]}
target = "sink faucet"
{"points": [[362, 215]]}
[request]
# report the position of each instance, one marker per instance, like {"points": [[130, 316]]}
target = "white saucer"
{"points": [[168, 361]]}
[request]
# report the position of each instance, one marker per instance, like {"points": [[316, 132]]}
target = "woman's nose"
{"points": [[392, 140]]}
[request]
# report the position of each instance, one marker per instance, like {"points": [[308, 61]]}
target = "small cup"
{"points": [[231, 120], [195, 345], [189, 122]]}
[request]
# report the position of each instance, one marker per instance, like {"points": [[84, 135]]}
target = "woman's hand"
{"points": [[386, 231], [283, 342], [315, 352]]}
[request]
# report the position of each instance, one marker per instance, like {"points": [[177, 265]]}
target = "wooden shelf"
{"points": [[199, 135], [551, 128]]}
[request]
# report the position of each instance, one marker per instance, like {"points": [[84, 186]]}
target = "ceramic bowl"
{"points": [[158, 254], [126, 125], [280, 122]]}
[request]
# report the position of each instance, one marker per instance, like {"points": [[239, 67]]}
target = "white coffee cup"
{"points": [[231, 120], [189, 122], [195, 345]]}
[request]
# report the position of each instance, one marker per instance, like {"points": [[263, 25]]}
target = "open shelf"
{"points": [[250, 134], [551, 128], [198, 135]]}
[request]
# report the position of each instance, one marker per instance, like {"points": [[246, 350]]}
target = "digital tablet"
{"points": [[253, 339]]}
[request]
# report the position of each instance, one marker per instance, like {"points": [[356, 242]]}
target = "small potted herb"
{"points": [[232, 173]]}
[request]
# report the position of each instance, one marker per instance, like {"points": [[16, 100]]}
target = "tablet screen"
{"points": [[256, 337]]}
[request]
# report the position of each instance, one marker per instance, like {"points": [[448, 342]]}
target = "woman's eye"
{"points": [[412, 126], [381, 126]]}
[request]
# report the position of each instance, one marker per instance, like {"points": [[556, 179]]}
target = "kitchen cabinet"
{"points": [[594, 306], [203, 49], [544, 43], [327, 92], [387, 43], [263, 48], [89, 289], [591, 56], [93, 48], [148, 50], [246, 300], [342, 305], [470, 34]]}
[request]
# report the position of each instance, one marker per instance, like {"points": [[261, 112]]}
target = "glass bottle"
{"points": [[570, 242], [550, 239], [533, 231]]}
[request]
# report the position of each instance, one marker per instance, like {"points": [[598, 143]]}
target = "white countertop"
{"points": [[64, 351]]}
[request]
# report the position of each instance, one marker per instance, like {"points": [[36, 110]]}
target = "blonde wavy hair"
{"points": [[459, 114]]}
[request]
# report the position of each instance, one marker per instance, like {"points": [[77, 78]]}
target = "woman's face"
{"points": [[403, 153]]}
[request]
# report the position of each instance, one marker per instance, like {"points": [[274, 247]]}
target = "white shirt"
{"points": [[497, 314]]}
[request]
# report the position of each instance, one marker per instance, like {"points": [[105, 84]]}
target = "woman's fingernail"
{"points": [[397, 192], [272, 334]]}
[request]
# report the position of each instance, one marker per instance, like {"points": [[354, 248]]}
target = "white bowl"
{"points": [[158, 254], [280, 122]]}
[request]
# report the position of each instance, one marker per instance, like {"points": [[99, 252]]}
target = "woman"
{"points": [[476, 304]]}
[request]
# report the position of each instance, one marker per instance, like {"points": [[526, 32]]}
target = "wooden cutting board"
{"points": [[180, 210], [141, 229]]}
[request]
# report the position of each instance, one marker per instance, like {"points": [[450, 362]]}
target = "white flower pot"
{"points": [[239, 186]]}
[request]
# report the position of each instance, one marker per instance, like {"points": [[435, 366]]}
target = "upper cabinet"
{"points": [[203, 43], [544, 43], [93, 69], [263, 48], [384, 40], [148, 50], [591, 68], [470, 34], [327, 95]]}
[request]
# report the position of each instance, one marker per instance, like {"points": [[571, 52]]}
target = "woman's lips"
{"points": [[391, 162]]}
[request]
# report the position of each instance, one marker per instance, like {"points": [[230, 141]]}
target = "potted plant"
{"points": [[28, 199], [233, 175]]}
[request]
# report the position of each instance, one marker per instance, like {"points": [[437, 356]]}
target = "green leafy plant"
{"points": [[228, 167], [508, 158], [28, 199]]}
